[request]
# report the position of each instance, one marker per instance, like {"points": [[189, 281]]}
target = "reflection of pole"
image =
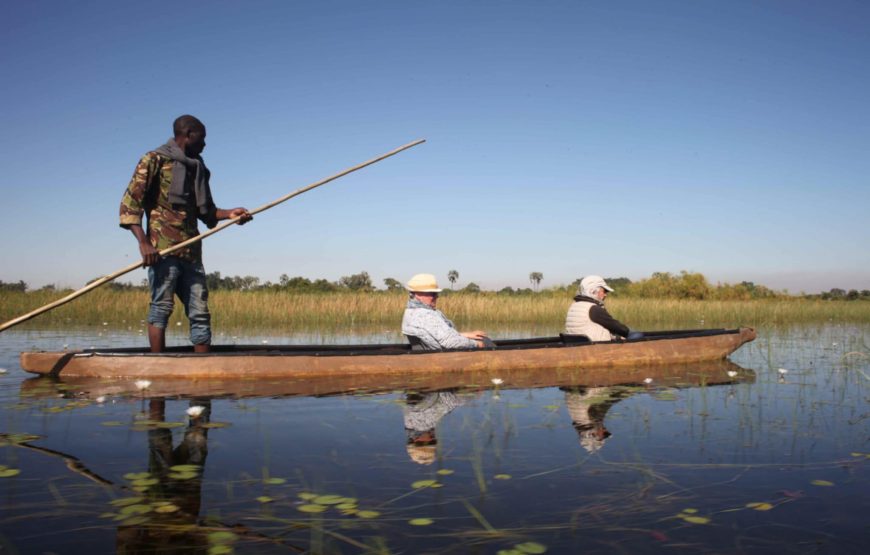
{"points": [[73, 463]]}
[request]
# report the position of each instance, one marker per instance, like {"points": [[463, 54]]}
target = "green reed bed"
{"points": [[317, 311]]}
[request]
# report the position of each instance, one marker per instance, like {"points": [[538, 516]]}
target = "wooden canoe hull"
{"points": [[311, 362]]}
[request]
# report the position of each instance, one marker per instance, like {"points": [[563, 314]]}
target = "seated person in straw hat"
{"points": [[587, 316], [427, 328]]}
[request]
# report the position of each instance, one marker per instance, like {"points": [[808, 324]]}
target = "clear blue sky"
{"points": [[569, 138]]}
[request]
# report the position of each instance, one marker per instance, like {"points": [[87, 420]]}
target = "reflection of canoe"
{"points": [[313, 361], [691, 374]]}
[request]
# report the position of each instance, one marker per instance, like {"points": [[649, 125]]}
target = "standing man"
{"points": [[171, 187]]}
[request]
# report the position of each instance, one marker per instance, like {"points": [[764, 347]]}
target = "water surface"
{"points": [[697, 460]]}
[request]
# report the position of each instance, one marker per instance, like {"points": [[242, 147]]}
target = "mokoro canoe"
{"points": [[267, 361], [693, 374]]}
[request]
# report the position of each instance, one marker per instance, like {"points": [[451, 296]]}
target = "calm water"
{"points": [[695, 461]]}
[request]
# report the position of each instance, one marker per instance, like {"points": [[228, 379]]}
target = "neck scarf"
{"points": [[201, 189]]}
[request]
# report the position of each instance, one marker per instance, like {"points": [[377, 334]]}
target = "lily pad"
{"points": [[312, 508], [166, 509], [502, 476], [760, 506], [185, 468], [695, 519], [124, 501], [368, 514], [445, 472], [420, 521], [419, 484], [221, 537], [183, 475], [328, 499], [531, 547], [274, 481], [265, 499], [824, 483], [139, 509], [137, 475], [307, 495], [220, 550], [9, 472]]}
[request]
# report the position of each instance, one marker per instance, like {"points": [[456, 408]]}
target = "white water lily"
{"points": [[497, 381], [782, 371], [142, 384], [732, 374], [101, 399], [195, 412], [647, 380], [3, 370]]}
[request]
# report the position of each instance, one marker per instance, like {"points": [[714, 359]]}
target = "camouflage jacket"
{"points": [[168, 224]]}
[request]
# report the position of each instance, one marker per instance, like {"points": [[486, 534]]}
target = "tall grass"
{"points": [[345, 310]]}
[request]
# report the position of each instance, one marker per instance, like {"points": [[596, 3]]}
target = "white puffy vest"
{"points": [[578, 322]]}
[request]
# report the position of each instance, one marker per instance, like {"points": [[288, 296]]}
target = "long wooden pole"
{"points": [[106, 279]]}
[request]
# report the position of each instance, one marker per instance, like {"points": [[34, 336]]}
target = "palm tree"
{"points": [[452, 276], [535, 278]]}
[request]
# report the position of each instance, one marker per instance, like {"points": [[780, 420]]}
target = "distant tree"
{"points": [[472, 288], [357, 282], [506, 291], [452, 276], [535, 278], [619, 284], [865, 293], [852, 295], [48, 287], [392, 284], [836, 293], [20, 286]]}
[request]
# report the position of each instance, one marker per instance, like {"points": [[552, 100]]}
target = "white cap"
{"points": [[589, 284]]}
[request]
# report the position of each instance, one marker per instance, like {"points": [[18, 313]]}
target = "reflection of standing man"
{"points": [[182, 491], [588, 408], [170, 186], [421, 414], [193, 450]]}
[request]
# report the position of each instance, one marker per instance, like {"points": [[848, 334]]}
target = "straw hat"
{"points": [[423, 283], [421, 454]]}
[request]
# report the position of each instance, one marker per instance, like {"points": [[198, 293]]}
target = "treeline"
{"points": [[661, 285]]}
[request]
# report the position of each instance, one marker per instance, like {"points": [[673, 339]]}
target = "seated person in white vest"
{"points": [[427, 328], [587, 316]]}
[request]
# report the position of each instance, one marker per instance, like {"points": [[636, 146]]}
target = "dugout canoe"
{"points": [[284, 361]]}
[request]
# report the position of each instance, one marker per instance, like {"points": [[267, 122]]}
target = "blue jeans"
{"points": [[173, 276]]}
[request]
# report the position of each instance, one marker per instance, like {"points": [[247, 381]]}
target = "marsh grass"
{"points": [[347, 310]]}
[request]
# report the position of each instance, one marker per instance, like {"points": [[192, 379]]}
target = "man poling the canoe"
{"points": [[231, 221], [171, 187]]}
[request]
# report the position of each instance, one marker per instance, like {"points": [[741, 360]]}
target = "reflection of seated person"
{"points": [[587, 316], [427, 328], [588, 407], [421, 415]]}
